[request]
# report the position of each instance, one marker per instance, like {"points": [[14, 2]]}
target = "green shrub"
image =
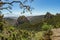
{"points": [[46, 27]]}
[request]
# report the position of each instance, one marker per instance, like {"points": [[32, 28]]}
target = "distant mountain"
{"points": [[21, 19], [11, 20], [15, 20], [31, 19], [36, 19], [10, 17]]}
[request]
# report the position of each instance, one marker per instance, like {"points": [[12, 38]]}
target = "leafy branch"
{"points": [[27, 7]]}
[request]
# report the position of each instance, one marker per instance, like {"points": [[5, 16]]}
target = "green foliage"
{"points": [[46, 27], [27, 31]]}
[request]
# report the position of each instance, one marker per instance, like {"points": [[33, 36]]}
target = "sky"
{"points": [[40, 8]]}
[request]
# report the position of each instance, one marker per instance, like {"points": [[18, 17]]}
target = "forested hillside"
{"points": [[35, 28]]}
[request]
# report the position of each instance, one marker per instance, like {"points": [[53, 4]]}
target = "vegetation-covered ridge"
{"points": [[38, 28]]}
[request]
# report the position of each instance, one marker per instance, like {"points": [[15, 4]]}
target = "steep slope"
{"points": [[11, 20], [21, 20], [36, 19]]}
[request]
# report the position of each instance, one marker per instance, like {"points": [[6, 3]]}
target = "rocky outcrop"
{"points": [[21, 20], [56, 34]]}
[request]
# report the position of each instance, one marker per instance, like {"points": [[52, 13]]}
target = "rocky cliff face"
{"points": [[21, 20], [56, 34]]}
